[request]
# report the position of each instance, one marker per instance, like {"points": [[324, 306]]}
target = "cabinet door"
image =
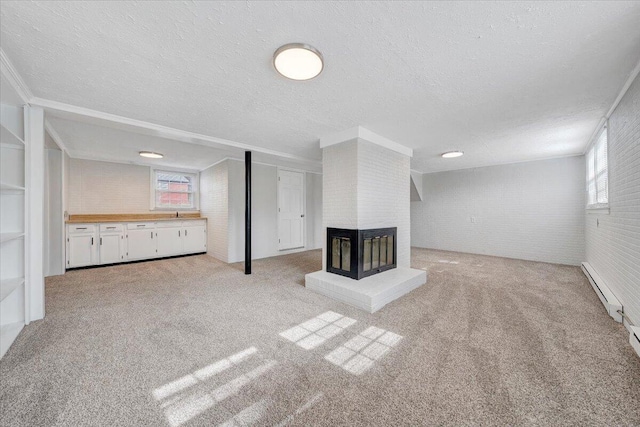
{"points": [[195, 239], [169, 241], [81, 250], [111, 248], [141, 244]]}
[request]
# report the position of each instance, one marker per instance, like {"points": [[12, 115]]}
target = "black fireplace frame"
{"points": [[357, 238]]}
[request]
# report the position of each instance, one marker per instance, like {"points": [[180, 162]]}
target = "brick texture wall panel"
{"points": [[532, 211], [613, 246], [103, 187], [366, 186], [214, 198]]}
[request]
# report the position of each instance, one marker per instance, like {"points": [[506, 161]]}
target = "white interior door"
{"points": [[290, 209]]}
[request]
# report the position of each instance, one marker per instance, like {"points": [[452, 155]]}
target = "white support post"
{"points": [[34, 221]]}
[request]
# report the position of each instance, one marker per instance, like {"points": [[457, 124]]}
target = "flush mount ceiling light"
{"points": [[452, 154], [151, 155], [298, 61]]}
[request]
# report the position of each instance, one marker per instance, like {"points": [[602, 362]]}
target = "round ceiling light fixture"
{"points": [[151, 155], [452, 154], [298, 61]]}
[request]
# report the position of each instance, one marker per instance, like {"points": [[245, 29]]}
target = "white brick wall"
{"points": [[613, 247], [532, 211], [103, 187], [384, 194], [366, 186], [214, 199]]}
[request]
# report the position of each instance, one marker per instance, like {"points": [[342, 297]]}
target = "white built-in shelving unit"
{"points": [[13, 288]]}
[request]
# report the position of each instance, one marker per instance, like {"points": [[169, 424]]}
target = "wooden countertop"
{"points": [[185, 216]]}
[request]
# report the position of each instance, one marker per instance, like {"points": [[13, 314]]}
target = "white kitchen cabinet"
{"points": [[141, 241], [195, 237], [82, 249], [169, 239], [112, 248], [111, 243]]}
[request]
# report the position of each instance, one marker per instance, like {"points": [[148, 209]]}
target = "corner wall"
{"points": [[214, 205], [532, 211], [222, 202], [367, 186], [613, 246]]}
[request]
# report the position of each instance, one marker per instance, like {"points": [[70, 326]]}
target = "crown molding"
{"points": [[235, 159], [83, 155], [364, 134], [14, 78], [632, 76], [55, 136], [101, 118]]}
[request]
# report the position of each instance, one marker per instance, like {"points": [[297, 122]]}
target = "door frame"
{"points": [[304, 207]]}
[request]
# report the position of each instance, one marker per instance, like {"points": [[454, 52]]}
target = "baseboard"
{"points": [[608, 299]]}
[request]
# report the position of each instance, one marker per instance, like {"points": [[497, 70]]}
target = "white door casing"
{"points": [[291, 221]]}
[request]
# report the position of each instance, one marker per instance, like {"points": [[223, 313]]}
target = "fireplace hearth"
{"points": [[361, 253]]}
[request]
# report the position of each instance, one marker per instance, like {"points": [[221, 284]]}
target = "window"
{"points": [[174, 190], [598, 173]]}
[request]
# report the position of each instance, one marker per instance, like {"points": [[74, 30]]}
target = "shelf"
{"points": [[5, 237], [11, 189], [8, 286], [10, 138], [8, 334]]}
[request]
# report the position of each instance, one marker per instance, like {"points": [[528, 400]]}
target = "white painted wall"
{"points": [[613, 246], [532, 210], [103, 187], [222, 202], [53, 217], [214, 204]]}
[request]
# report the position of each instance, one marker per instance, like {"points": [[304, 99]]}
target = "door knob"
{"points": [[302, 216]]}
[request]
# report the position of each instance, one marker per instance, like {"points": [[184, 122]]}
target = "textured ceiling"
{"points": [[503, 81]]}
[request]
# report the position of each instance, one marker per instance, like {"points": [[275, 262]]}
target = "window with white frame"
{"points": [[174, 190], [598, 173]]}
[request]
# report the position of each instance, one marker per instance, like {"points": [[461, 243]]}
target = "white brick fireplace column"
{"points": [[366, 184]]}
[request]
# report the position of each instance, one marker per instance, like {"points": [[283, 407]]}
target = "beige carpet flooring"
{"points": [[192, 341]]}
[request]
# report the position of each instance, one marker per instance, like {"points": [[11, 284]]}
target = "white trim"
{"points": [[508, 163], [593, 209], [359, 132], [14, 78], [261, 163], [101, 118], [304, 208], [152, 193], [55, 136], [81, 155], [632, 76]]}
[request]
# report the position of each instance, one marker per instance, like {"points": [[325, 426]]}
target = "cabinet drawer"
{"points": [[111, 228], [168, 224], [140, 225], [194, 223], [82, 228]]}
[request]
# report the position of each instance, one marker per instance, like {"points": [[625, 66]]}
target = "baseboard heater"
{"points": [[610, 302], [634, 338]]}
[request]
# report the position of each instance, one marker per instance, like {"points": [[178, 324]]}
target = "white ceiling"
{"points": [[502, 81]]}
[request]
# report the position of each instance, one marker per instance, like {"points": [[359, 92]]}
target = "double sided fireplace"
{"points": [[361, 253]]}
